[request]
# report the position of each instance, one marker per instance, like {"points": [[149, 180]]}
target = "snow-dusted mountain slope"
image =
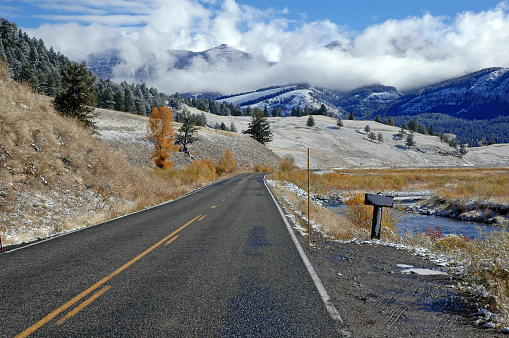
{"points": [[284, 97], [113, 64], [349, 146], [480, 95]]}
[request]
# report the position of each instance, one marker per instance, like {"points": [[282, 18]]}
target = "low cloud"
{"points": [[403, 53]]}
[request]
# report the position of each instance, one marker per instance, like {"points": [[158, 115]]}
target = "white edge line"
{"points": [[318, 283], [112, 219]]}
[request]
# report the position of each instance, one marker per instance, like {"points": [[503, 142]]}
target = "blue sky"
{"points": [[356, 15], [359, 14], [404, 43]]}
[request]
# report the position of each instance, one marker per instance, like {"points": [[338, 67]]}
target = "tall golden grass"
{"points": [[486, 184]]}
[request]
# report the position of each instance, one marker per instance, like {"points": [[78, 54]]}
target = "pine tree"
{"points": [[409, 141], [185, 134], [372, 136], [311, 121], [378, 119], [339, 122], [266, 111], [367, 129], [351, 116], [160, 131], [380, 137], [259, 128], [78, 94]]}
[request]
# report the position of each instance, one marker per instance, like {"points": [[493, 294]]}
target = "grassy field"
{"points": [[481, 184]]}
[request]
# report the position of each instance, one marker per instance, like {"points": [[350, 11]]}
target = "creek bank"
{"points": [[425, 203]]}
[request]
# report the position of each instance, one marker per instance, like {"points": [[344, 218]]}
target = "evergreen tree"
{"points": [[421, 129], [311, 121], [367, 129], [409, 141], [378, 119], [78, 95], [402, 132], [233, 128], [185, 134], [259, 128], [380, 137], [129, 103], [412, 125], [372, 136], [322, 110], [463, 149], [339, 122], [389, 121], [266, 111], [431, 131], [351, 116]]}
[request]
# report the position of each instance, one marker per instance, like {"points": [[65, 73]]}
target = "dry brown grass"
{"points": [[483, 184], [55, 176], [332, 225]]}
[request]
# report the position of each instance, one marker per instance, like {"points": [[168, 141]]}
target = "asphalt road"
{"points": [[219, 262]]}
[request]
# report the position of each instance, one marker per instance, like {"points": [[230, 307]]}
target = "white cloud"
{"points": [[404, 53]]}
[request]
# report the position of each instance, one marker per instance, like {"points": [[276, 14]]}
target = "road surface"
{"points": [[219, 262]]}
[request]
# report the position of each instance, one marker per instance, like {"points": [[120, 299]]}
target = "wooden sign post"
{"points": [[378, 202]]}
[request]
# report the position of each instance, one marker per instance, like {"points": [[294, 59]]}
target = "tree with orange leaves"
{"points": [[227, 163], [160, 131]]}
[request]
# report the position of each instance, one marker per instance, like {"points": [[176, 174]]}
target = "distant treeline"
{"points": [[30, 62]]}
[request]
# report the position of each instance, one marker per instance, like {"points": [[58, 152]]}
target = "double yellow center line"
{"points": [[73, 301]]}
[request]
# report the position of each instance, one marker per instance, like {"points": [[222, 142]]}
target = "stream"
{"points": [[419, 223]]}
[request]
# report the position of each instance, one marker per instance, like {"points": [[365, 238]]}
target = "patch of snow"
{"points": [[422, 272], [403, 266]]}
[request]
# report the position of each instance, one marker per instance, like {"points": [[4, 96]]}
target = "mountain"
{"points": [[480, 95], [111, 64], [284, 97], [475, 106]]}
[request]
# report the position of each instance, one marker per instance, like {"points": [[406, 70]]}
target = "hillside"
{"points": [[55, 176], [349, 147], [126, 134]]}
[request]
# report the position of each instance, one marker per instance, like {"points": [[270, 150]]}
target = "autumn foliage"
{"points": [[227, 164], [160, 131]]}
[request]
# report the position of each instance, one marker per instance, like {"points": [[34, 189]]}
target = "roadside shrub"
{"points": [[287, 163], [227, 164]]}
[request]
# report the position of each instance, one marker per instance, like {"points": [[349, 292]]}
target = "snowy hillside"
{"points": [[284, 97], [481, 95], [349, 146]]}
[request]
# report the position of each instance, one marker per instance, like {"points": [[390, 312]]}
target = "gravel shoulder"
{"points": [[377, 299]]}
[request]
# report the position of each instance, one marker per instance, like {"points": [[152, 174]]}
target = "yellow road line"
{"points": [[213, 207], [67, 305], [202, 217], [83, 305], [171, 240]]}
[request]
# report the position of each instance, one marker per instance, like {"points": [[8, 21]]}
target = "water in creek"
{"points": [[419, 223]]}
